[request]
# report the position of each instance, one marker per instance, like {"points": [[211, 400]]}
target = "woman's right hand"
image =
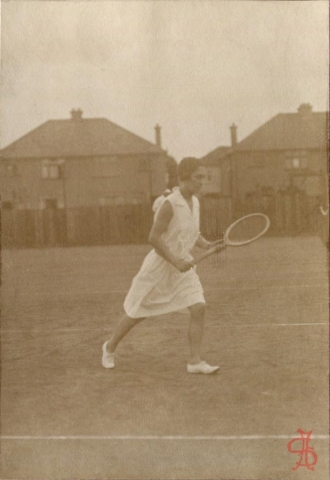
{"points": [[183, 265]]}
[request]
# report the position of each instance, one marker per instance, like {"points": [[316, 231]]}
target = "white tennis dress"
{"points": [[159, 287]]}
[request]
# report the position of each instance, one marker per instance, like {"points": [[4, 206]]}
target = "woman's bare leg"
{"points": [[124, 325], [195, 333]]}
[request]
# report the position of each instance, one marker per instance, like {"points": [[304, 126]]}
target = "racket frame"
{"points": [[225, 242], [246, 242]]}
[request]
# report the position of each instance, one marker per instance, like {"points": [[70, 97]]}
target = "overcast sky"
{"points": [[194, 67]]}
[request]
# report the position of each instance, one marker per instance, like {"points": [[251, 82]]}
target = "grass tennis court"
{"points": [[64, 416]]}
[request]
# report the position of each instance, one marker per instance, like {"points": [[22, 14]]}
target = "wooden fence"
{"points": [[290, 214], [76, 226]]}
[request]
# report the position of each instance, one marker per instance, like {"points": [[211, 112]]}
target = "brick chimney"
{"points": [[305, 110], [158, 136], [233, 133], [76, 115]]}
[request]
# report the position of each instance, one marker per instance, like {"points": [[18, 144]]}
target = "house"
{"points": [[290, 151], [218, 178], [280, 169], [81, 162]]}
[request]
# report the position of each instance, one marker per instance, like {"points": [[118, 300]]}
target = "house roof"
{"points": [[302, 130], [214, 156], [78, 137]]}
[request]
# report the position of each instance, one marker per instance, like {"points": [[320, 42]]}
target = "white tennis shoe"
{"points": [[202, 367], [108, 359]]}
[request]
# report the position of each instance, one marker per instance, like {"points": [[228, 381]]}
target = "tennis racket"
{"points": [[324, 210], [243, 231]]}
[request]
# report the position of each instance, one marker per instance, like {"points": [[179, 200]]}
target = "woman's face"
{"points": [[196, 180]]}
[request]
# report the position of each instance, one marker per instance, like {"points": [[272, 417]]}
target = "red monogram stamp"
{"points": [[305, 451]]}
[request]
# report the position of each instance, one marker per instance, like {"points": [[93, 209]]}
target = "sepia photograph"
{"points": [[164, 183]]}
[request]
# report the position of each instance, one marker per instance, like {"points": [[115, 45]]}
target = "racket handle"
{"points": [[209, 252]]}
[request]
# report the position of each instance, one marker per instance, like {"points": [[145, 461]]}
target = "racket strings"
{"points": [[221, 259], [247, 229]]}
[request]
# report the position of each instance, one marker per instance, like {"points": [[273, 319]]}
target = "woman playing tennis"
{"points": [[167, 281]]}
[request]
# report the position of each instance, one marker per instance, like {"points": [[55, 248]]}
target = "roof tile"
{"points": [[78, 137], [289, 131]]}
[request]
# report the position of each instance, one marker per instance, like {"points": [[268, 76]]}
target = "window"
{"points": [[209, 175], [267, 191], [107, 201], [296, 162], [144, 165], [12, 170], [7, 205], [120, 200], [50, 203], [51, 170], [257, 160], [107, 167], [296, 159]]}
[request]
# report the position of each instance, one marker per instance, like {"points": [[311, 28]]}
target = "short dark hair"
{"points": [[187, 167]]}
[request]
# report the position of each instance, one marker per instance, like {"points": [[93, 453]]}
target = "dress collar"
{"points": [[180, 200]]}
